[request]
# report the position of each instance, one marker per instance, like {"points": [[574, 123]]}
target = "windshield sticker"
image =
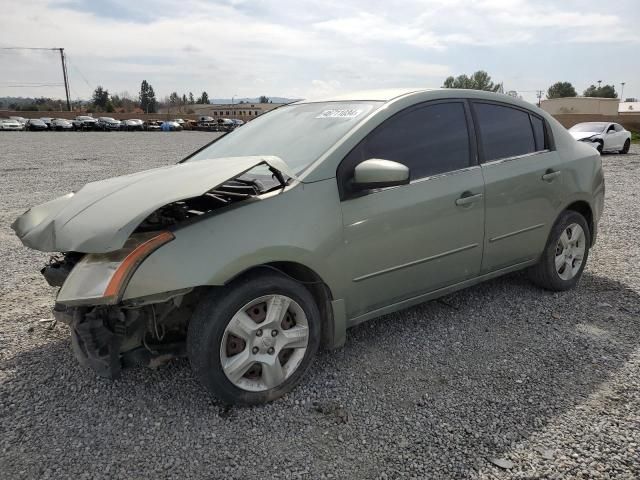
{"points": [[340, 113]]}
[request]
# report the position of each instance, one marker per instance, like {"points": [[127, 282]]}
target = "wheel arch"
{"points": [[583, 208], [314, 283]]}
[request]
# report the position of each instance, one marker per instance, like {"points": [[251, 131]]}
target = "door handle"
{"points": [[468, 198], [551, 175]]}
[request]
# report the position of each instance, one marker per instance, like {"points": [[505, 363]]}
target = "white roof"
{"points": [[629, 107]]}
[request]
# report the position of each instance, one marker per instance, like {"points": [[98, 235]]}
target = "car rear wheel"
{"points": [[625, 148], [251, 341], [565, 255]]}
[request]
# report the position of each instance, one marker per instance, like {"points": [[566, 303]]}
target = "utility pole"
{"points": [[622, 91], [66, 79], [539, 95]]}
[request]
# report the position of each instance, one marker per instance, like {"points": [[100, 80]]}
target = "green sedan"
{"points": [[268, 243]]}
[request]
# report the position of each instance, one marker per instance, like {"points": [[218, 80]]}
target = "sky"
{"points": [[311, 49]]}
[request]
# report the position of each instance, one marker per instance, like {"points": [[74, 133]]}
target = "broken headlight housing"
{"points": [[100, 279]]}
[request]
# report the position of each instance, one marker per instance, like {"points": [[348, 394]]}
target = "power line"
{"points": [[35, 85], [28, 48], [64, 71]]}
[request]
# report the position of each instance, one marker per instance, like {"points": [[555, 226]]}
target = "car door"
{"points": [[524, 179], [406, 240], [621, 136], [610, 138]]}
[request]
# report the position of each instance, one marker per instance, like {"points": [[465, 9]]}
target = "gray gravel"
{"points": [[502, 380]]}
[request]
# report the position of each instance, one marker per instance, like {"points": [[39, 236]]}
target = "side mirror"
{"points": [[379, 173]]}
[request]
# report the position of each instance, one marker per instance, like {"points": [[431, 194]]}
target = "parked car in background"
{"points": [[9, 124], [108, 124], [207, 123], [180, 121], [35, 124], [225, 125], [237, 122], [265, 245], [603, 136], [132, 124], [84, 122], [170, 126], [60, 124], [152, 125], [20, 120], [47, 121]]}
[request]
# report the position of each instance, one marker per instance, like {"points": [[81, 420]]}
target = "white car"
{"points": [[603, 136], [8, 124]]}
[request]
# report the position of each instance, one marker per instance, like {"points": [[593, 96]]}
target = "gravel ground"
{"points": [[502, 380]]}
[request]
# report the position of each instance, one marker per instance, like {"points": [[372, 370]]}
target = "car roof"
{"points": [[393, 94], [383, 95]]}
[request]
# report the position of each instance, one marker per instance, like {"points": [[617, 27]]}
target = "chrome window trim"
{"points": [[444, 174], [516, 157]]}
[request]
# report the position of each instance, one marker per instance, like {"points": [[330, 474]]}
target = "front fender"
{"points": [[301, 225]]}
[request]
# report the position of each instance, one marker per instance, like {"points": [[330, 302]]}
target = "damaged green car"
{"points": [[268, 243]]}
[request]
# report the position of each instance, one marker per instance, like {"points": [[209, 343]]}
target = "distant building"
{"points": [[581, 106], [239, 111], [629, 108]]}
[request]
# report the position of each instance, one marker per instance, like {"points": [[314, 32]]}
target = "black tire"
{"points": [[627, 146], [211, 317], [544, 273]]}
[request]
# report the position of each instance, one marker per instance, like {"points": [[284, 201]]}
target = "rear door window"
{"points": [[504, 131]]}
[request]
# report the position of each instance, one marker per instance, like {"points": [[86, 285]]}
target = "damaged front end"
{"points": [[108, 229], [106, 332], [106, 338]]}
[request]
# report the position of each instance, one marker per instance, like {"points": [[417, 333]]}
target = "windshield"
{"points": [[298, 134], [589, 127]]}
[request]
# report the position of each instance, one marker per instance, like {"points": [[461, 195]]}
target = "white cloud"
{"points": [[289, 48]]}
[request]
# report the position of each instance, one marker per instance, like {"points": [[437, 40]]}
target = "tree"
{"points": [[100, 98], [174, 99], [147, 97], [204, 98], [184, 99], [191, 99], [561, 90], [605, 91], [263, 99], [480, 80]]}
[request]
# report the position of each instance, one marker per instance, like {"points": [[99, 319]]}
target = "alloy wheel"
{"points": [[264, 343], [570, 251]]}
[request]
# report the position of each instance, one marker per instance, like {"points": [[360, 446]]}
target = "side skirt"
{"points": [[410, 302]]}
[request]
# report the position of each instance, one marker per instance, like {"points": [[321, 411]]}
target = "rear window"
{"points": [[538, 133], [504, 131]]}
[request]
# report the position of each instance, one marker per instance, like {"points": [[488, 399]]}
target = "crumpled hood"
{"points": [[581, 135], [100, 216]]}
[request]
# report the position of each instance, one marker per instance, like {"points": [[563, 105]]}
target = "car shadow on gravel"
{"points": [[448, 382]]}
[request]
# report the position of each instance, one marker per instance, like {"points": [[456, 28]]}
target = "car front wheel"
{"points": [[251, 341], [565, 254]]}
